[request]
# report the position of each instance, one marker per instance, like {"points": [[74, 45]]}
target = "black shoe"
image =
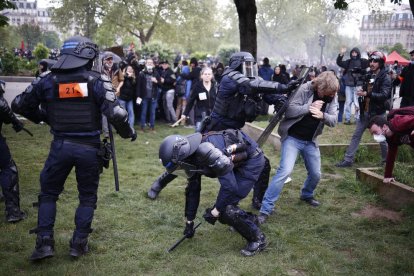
{"points": [[256, 203], [252, 248], [344, 164], [261, 218], [311, 201], [78, 247], [347, 123], [45, 248], [15, 215]]}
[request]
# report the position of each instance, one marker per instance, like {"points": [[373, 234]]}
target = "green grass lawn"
{"points": [[132, 233]]}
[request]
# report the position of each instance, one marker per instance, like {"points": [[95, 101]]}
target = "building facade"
{"points": [[27, 12], [387, 29]]}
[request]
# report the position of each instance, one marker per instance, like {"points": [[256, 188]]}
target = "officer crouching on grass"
{"points": [[9, 178], [237, 102], [232, 157], [72, 98]]}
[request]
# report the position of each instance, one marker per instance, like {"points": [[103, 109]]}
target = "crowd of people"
{"points": [[217, 101]]}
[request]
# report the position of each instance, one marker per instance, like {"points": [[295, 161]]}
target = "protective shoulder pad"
{"points": [[39, 78], [238, 77]]}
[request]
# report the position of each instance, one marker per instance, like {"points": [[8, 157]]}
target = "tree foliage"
{"points": [[82, 14], [31, 34], [175, 22], [5, 4]]}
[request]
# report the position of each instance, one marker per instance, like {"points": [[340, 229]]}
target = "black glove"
{"points": [[189, 229], [17, 125], [134, 135], [293, 85], [209, 217]]}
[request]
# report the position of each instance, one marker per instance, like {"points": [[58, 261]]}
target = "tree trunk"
{"points": [[246, 10]]}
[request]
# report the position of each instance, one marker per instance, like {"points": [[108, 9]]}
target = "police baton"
{"points": [[113, 155], [27, 131], [177, 243]]}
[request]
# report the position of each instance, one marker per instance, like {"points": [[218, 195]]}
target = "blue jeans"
{"points": [[360, 128], [290, 149], [128, 106], [351, 97], [152, 103]]}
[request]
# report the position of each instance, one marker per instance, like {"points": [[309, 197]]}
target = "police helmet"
{"points": [[243, 62], [2, 87], [176, 148], [76, 52]]}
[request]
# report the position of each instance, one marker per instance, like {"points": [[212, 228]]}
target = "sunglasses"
{"points": [[376, 60]]}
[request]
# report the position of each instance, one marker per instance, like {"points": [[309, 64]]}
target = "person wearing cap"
{"points": [[230, 156], [373, 103], [407, 83], [167, 84], [71, 99], [9, 177]]}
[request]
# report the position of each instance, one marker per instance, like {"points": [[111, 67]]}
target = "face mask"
{"points": [[379, 138], [149, 69]]}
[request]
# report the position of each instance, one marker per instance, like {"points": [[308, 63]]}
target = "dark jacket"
{"points": [[169, 79], [201, 105], [350, 64], [281, 78], [194, 76], [142, 85], [381, 91], [407, 84], [265, 71], [128, 89]]}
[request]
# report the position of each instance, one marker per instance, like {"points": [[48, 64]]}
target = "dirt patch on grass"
{"points": [[373, 212]]}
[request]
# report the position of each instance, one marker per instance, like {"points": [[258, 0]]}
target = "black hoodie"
{"points": [[350, 64]]}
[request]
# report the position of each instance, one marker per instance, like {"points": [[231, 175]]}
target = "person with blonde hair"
{"points": [[312, 107]]}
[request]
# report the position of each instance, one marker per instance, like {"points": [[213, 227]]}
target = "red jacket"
{"points": [[402, 127]]}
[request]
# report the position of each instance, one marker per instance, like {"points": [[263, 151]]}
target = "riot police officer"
{"points": [[71, 99], [9, 178], [204, 154], [237, 102]]}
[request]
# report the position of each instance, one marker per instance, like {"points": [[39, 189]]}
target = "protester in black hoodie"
{"points": [[355, 67]]}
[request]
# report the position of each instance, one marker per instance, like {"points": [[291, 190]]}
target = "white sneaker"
{"points": [[288, 180]]}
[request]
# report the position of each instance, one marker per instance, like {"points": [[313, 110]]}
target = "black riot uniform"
{"points": [[237, 102], [9, 178], [236, 161], [71, 100]]}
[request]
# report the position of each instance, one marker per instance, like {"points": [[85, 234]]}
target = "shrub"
{"points": [[10, 63], [41, 51]]}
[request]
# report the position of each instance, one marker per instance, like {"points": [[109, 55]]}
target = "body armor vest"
{"points": [[72, 108]]}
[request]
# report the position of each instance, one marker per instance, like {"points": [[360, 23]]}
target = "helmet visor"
{"points": [[250, 69]]}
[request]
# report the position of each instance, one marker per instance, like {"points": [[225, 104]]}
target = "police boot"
{"points": [[78, 247], [256, 203], [160, 184], [45, 248], [254, 247], [14, 214]]}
